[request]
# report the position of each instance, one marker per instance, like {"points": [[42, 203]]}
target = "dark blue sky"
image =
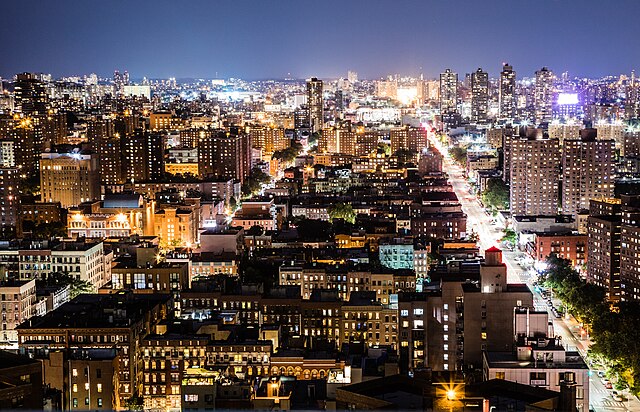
{"points": [[270, 38]]}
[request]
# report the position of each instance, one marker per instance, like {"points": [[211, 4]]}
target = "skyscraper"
{"points": [[448, 96], [316, 107], [535, 173], [543, 95], [588, 171], [479, 96], [507, 92]]}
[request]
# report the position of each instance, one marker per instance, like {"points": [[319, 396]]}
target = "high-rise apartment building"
{"points": [[111, 161], [448, 96], [603, 230], [507, 94], [588, 171], [30, 95], [225, 155], [69, 176], [135, 158], [269, 139], [315, 102], [348, 139], [479, 96], [9, 197], [27, 141], [630, 248], [408, 138], [535, 173], [543, 100]]}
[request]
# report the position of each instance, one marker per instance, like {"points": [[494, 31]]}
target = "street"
{"points": [[480, 222]]}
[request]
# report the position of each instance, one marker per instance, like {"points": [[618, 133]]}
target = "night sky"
{"points": [[267, 39]]}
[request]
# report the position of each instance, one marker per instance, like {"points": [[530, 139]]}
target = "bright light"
{"points": [[451, 394], [567, 98], [121, 217]]}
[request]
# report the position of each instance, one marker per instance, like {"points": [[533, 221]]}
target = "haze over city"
{"points": [[265, 39]]}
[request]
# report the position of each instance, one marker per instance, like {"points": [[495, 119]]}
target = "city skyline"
{"points": [[236, 39]]}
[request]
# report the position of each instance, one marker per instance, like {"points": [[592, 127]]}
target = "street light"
{"points": [[451, 394]]}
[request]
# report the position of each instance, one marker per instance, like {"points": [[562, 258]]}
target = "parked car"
{"points": [[601, 374], [608, 385], [617, 396]]}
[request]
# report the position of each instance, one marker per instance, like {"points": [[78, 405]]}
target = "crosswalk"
{"points": [[608, 404]]}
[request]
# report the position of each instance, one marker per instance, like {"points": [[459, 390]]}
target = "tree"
{"points": [[30, 185], [496, 194], [289, 154], [313, 139], [76, 286], [253, 184], [341, 211], [384, 148], [45, 231], [459, 154], [510, 236]]}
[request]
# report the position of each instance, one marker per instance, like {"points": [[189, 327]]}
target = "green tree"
{"points": [[459, 154], [384, 148], [341, 211], [313, 139], [496, 194], [76, 286], [289, 154], [510, 236], [253, 184]]}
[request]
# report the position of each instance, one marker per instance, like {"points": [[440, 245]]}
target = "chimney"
{"points": [[567, 397]]}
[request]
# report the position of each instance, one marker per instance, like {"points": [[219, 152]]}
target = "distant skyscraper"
{"points": [[30, 95], [479, 96], [316, 107], [543, 95], [588, 171], [352, 76], [507, 92], [535, 172], [448, 96]]}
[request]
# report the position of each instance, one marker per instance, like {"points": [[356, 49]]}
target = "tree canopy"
{"points": [[459, 154], [289, 154], [613, 327], [341, 211], [254, 182], [496, 194], [76, 286]]}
